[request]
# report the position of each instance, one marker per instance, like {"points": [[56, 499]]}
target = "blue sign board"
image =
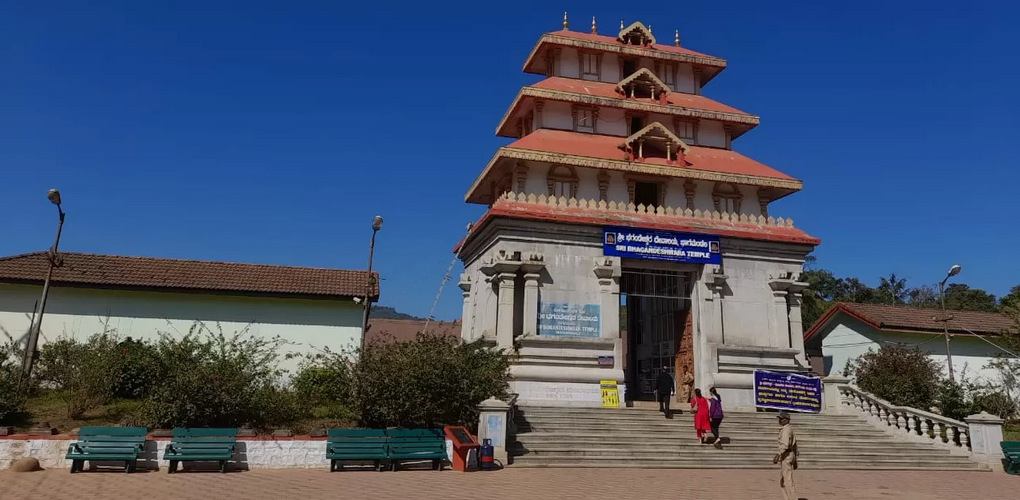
{"points": [[787, 391], [558, 319], [635, 243]]}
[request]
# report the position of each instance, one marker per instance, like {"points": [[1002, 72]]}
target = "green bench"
{"points": [[107, 444], [200, 445], [416, 444], [1011, 452], [355, 444]]}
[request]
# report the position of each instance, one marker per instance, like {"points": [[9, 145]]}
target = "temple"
{"points": [[624, 234]]}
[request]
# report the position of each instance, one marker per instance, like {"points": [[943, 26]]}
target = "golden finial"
{"points": [[564, 20], [593, 25], [621, 25], [649, 29], [676, 38]]}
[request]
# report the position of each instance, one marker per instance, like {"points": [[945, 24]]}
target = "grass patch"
{"points": [[1011, 432]]}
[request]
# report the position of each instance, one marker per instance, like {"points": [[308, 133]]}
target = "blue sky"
{"points": [[272, 132]]}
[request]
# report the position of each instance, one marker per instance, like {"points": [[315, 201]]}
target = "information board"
{"points": [[787, 391], [561, 319], [635, 243], [610, 394]]}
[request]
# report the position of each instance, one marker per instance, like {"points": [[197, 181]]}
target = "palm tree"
{"points": [[893, 289]]}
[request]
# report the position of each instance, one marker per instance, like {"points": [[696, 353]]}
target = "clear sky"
{"points": [[272, 132]]}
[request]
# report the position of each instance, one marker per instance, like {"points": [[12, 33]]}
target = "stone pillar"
{"points": [[832, 400], [796, 323], [493, 416], [985, 439], [485, 327], [530, 304], [608, 272], [708, 327], [505, 311], [467, 313]]}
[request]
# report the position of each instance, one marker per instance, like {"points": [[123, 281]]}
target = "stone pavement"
{"points": [[527, 484]]}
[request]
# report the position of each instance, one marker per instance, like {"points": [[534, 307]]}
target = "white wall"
{"points": [[557, 115], [567, 65], [612, 122], [685, 78], [306, 325], [849, 338], [711, 134]]}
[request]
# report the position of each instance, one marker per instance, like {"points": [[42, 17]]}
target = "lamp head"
{"points": [[376, 222], [953, 271], [54, 196]]}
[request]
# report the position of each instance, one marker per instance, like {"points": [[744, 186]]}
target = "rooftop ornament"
{"points": [[593, 31], [564, 20], [676, 38], [657, 138], [636, 34]]}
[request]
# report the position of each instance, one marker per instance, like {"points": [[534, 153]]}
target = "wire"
{"points": [[999, 347], [446, 277]]}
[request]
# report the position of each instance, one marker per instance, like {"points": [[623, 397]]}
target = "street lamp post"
{"points": [[32, 349], [376, 225], [953, 271]]}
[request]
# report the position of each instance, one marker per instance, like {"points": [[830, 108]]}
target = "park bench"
{"points": [[1011, 452], [200, 445], [106, 444], [416, 444], [355, 444]]}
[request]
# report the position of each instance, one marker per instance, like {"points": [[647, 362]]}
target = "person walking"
{"points": [[699, 405], [664, 390], [715, 413], [786, 456]]}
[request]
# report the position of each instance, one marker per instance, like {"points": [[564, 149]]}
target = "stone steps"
{"points": [[642, 437]]}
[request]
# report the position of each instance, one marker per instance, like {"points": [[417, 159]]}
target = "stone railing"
{"points": [[908, 422], [612, 206]]}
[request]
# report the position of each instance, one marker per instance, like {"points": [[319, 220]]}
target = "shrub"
{"points": [[10, 401], [433, 380], [901, 375], [83, 373], [953, 400], [215, 380], [136, 372], [995, 402], [325, 386]]}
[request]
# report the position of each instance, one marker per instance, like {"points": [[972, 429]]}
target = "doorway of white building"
{"points": [[655, 306]]}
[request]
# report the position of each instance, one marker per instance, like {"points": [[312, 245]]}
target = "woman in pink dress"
{"points": [[702, 424]]}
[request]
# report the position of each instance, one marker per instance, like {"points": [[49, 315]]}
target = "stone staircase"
{"points": [[642, 438]]}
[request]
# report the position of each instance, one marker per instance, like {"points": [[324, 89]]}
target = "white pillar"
{"points": [[505, 311], [608, 272], [467, 312], [985, 439], [780, 328], [493, 416], [797, 327], [530, 304], [832, 400]]}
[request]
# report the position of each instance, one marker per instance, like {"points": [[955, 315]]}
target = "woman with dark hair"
{"points": [[715, 414], [701, 422]]}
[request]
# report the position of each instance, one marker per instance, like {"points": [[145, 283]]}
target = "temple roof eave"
{"points": [[743, 122], [780, 187]]}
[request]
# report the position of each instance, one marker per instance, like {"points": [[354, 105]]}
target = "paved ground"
{"points": [[517, 484]]}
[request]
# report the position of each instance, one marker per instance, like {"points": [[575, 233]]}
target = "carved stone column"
{"points": [[539, 105], [521, 177], [796, 322], [485, 326], [763, 203], [607, 272], [603, 179], [689, 192], [710, 332], [532, 269], [505, 311], [467, 312]]}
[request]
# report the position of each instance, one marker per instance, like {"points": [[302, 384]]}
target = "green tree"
{"points": [[83, 373], [899, 374], [853, 290], [892, 290], [10, 401], [964, 298], [1012, 299], [926, 296], [822, 287]]}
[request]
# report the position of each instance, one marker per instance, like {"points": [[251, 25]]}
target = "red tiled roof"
{"points": [[915, 319], [608, 147], [385, 331], [612, 39], [193, 275], [605, 89], [577, 215]]}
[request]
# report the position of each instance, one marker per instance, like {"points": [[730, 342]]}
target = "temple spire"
{"points": [[621, 24], [676, 38], [564, 20], [593, 31]]}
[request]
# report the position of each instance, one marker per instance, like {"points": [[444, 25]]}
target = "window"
{"points": [[562, 181], [667, 74], [646, 193], [584, 120], [726, 197], [728, 205], [590, 67], [563, 188], [685, 131]]}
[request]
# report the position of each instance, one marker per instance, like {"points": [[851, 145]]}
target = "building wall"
{"points": [[846, 338], [307, 325]]}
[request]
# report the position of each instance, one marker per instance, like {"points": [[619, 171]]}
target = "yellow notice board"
{"points": [[610, 394]]}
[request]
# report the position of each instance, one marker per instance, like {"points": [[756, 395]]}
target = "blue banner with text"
{"points": [[787, 391], [661, 245]]}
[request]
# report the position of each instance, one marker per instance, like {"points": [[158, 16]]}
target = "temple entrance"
{"points": [[655, 312]]}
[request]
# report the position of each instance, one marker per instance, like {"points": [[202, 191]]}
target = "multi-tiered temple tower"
{"points": [[623, 233]]}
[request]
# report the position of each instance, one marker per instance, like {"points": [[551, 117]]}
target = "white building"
{"points": [[847, 331], [139, 297]]}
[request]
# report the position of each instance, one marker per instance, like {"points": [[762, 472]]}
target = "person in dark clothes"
{"points": [[664, 390], [715, 413]]}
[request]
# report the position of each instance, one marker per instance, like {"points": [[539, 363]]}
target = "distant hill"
{"points": [[383, 312]]}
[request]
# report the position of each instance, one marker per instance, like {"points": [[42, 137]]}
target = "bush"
{"points": [[84, 373], [136, 373], [434, 380], [211, 379], [995, 402], [10, 401], [901, 375], [953, 400], [325, 385]]}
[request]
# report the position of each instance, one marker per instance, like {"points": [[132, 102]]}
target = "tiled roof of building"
{"points": [[915, 319], [587, 216], [612, 39], [113, 271], [385, 331], [608, 147]]}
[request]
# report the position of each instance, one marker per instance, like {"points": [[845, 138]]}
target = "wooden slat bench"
{"points": [[416, 444], [200, 445], [1011, 452], [355, 444], [107, 444]]}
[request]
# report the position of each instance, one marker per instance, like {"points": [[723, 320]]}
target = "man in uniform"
{"points": [[664, 389], [786, 456]]}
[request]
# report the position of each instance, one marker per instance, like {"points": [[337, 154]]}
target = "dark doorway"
{"points": [[646, 193], [655, 304], [636, 124], [629, 67]]}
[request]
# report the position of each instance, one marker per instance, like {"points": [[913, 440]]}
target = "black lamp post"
{"points": [[376, 225], [32, 349]]}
